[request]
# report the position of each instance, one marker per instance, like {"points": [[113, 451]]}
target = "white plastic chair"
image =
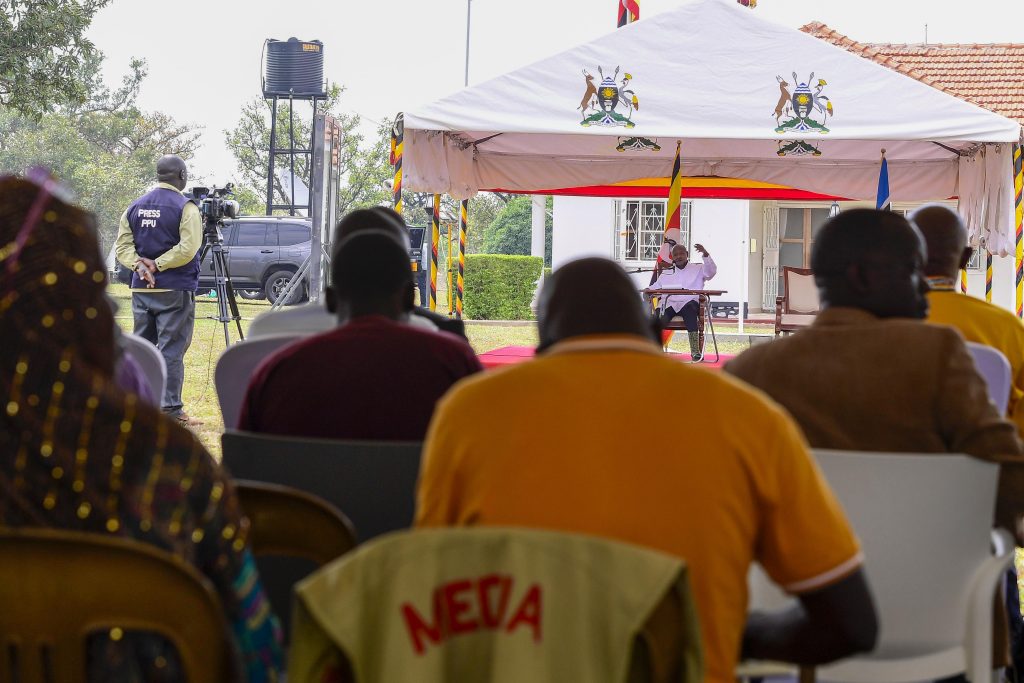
{"points": [[924, 521], [993, 366], [236, 365], [150, 360]]}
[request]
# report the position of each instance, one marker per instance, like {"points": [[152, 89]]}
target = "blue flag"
{"points": [[882, 198]]}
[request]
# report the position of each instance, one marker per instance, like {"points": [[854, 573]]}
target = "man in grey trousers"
{"points": [[159, 239]]}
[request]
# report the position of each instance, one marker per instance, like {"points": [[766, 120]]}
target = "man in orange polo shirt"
{"points": [[569, 442]]}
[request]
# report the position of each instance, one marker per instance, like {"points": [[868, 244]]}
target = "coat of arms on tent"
{"points": [[803, 110], [604, 104], [637, 144]]}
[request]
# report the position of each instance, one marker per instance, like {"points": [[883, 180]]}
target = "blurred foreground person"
{"points": [[79, 453], [559, 443], [374, 376]]}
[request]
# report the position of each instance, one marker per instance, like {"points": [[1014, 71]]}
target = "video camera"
{"points": [[214, 207]]}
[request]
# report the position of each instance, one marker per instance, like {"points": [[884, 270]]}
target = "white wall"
{"points": [[721, 225], [584, 226], [581, 226]]}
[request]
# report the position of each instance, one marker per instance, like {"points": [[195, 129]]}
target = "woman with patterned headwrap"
{"points": [[78, 453]]}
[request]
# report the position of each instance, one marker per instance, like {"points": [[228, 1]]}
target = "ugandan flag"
{"points": [[629, 11], [672, 218]]}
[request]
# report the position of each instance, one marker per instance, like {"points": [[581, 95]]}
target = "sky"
{"points": [[395, 55]]}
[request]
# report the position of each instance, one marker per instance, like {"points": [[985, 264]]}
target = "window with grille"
{"points": [[640, 226]]}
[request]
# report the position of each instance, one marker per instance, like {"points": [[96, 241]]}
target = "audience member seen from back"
{"points": [[79, 453], [868, 374], [977, 320], [315, 317], [560, 443], [372, 377]]}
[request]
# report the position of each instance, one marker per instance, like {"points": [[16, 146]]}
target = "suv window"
{"points": [[229, 232], [292, 233], [251, 234]]}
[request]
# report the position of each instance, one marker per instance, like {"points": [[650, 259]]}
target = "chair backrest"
{"points": [[234, 368], [801, 295], [521, 605], [372, 482], [924, 521], [291, 533], [287, 521], [149, 359], [995, 368], [58, 587]]}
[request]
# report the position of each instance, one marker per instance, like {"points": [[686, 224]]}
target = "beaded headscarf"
{"points": [[75, 451]]}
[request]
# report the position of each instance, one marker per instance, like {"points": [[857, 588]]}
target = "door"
{"points": [[770, 257], [252, 254], [798, 227]]}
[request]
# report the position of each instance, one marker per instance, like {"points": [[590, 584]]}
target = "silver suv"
{"points": [[263, 252]]}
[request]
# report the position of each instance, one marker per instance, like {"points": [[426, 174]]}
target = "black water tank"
{"points": [[293, 67]]}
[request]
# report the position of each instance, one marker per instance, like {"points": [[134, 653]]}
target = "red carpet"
{"points": [[510, 355]]}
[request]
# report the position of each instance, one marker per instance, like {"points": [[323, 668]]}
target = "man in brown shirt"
{"points": [[868, 374]]}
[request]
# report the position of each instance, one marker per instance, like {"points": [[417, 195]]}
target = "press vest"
{"points": [[155, 220]]}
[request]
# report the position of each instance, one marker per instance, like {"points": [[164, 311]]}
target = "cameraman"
{"points": [[159, 239]]}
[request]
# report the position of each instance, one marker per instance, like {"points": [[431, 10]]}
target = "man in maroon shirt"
{"points": [[372, 377]]}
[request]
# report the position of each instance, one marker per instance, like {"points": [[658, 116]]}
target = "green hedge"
{"points": [[500, 287]]}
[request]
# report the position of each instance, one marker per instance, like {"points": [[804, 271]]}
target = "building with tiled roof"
{"points": [[989, 75]]}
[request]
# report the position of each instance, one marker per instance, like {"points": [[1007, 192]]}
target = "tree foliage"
{"points": [[364, 163], [511, 230], [44, 54], [105, 148]]}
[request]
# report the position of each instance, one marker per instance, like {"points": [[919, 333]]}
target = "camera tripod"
{"points": [[227, 305]]}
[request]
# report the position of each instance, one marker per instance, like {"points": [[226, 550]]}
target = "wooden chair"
{"points": [[292, 534], [796, 308], [287, 521], [59, 587], [372, 482]]}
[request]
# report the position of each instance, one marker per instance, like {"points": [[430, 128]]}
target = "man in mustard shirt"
{"points": [[159, 239], [977, 320], [568, 442]]}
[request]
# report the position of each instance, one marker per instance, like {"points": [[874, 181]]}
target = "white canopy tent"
{"points": [[748, 99]]}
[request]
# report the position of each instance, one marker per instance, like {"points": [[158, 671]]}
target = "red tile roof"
{"points": [[989, 75]]}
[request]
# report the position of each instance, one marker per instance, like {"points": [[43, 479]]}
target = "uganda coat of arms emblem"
{"points": [[603, 104], [803, 110]]}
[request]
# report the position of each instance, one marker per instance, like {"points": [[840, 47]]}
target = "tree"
{"points": [[44, 53], [364, 165], [512, 229], [104, 148]]}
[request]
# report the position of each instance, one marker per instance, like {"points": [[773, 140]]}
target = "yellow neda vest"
{"points": [[495, 605]]}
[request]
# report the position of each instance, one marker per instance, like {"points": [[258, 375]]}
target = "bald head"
{"points": [[946, 237], [590, 296], [871, 260], [171, 169], [373, 218]]}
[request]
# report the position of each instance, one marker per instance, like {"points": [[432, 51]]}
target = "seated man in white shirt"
{"points": [[686, 275]]}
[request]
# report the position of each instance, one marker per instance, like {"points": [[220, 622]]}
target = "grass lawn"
{"points": [[200, 396]]}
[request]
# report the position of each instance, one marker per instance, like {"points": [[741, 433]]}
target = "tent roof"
{"points": [[708, 74]]}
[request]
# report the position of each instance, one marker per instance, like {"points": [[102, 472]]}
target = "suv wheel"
{"points": [[252, 294], [276, 284]]}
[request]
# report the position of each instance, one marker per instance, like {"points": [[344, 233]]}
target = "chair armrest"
{"points": [[979, 616]]}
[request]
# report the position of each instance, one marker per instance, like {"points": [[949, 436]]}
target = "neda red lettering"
{"points": [[468, 605]]}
